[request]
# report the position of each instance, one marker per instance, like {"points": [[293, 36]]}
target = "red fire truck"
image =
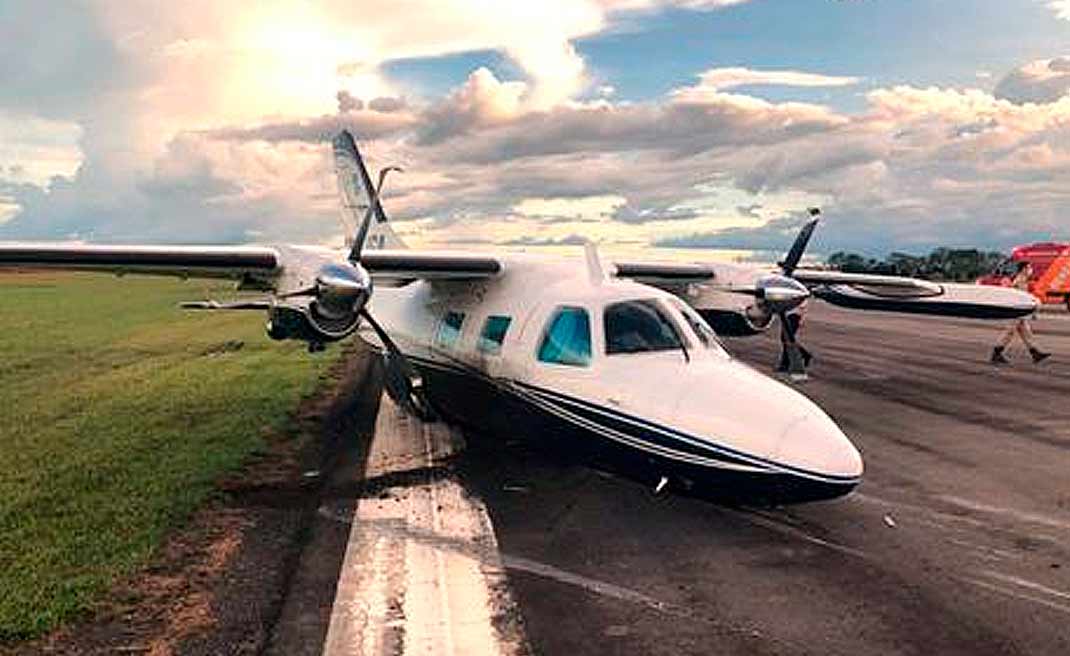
{"points": [[1051, 271]]}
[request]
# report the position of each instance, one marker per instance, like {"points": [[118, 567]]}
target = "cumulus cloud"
{"points": [[482, 101], [531, 151], [1041, 81]]}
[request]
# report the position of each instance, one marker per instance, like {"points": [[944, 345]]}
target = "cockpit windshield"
{"points": [[698, 325], [639, 327]]}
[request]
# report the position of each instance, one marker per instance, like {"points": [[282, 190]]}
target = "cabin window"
{"points": [[494, 329], [638, 327], [449, 329], [568, 338]]}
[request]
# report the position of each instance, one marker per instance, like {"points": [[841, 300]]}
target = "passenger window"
{"points": [[638, 327], [449, 329], [568, 338], [494, 329]]}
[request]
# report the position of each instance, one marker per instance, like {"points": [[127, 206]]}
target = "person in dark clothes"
{"points": [[795, 320]]}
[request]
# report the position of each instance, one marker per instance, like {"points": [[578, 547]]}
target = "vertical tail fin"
{"points": [[362, 213]]}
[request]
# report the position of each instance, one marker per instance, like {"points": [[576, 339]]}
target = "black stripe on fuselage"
{"points": [[626, 445], [653, 433], [637, 431]]}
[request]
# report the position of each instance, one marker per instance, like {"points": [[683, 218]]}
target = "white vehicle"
{"points": [[610, 362]]}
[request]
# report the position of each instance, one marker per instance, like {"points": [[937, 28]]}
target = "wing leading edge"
{"points": [[241, 261], [183, 261]]}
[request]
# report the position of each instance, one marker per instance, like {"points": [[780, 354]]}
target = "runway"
{"points": [[955, 543]]}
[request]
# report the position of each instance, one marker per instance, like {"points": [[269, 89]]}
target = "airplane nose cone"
{"points": [[751, 413], [816, 444]]}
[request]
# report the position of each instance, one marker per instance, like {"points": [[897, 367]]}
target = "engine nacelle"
{"points": [[309, 324], [743, 322], [328, 310], [749, 306]]}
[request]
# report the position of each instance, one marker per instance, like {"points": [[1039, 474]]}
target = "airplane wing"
{"points": [[401, 265], [665, 274], [860, 291], [182, 261], [897, 285], [240, 261], [725, 293]]}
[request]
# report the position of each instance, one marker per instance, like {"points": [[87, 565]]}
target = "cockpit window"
{"points": [[638, 327], [698, 325], [568, 338]]}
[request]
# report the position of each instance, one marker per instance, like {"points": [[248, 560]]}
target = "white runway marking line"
{"points": [[1028, 517], [591, 585], [422, 573], [786, 529], [1010, 592], [1026, 583]]}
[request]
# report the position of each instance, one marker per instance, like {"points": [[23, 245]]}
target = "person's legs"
{"points": [[1001, 345], [1025, 331], [1008, 335]]}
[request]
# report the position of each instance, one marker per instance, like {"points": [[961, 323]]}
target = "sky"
{"points": [[650, 125]]}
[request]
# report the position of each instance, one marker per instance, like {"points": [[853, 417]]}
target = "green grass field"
{"points": [[116, 419]]}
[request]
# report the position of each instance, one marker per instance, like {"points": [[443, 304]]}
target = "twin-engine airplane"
{"points": [[615, 363]]}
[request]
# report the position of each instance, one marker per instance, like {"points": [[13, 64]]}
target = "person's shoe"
{"points": [[998, 357], [1038, 355]]}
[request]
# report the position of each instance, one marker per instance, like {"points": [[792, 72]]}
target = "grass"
{"points": [[118, 414]]}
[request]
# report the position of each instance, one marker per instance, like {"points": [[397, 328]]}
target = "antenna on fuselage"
{"points": [[595, 271]]}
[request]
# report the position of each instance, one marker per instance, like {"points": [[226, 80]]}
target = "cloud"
{"points": [[776, 235], [348, 103], [542, 242], [581, 208], [387, 104], [717, 79], [367, 124], [206, 122], [482, 101], [1041, 81], [749, 211], [1061, 8]]}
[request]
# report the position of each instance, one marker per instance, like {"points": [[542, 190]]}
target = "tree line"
{"points": [[943, 264]]}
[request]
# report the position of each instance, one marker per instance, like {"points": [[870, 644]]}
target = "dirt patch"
{"points": [[219, 584]]}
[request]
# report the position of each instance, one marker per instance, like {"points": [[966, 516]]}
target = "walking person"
{"points": [[1020, 327], [795, 320]]}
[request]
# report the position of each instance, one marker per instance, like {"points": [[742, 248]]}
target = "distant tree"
{"points": [[942, 264]]}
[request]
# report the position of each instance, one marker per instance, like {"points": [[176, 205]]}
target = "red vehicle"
{"points": [[1051, 271]]}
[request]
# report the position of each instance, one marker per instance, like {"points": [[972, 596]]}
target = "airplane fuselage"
{"points": [[618, 373]]}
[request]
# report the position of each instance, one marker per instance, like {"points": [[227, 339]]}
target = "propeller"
{"points": [[784, 293], [340, 291], [403, 383], [777, 294]]}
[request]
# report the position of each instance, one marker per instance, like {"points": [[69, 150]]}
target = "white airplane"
{"points": [[610, 362]]}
